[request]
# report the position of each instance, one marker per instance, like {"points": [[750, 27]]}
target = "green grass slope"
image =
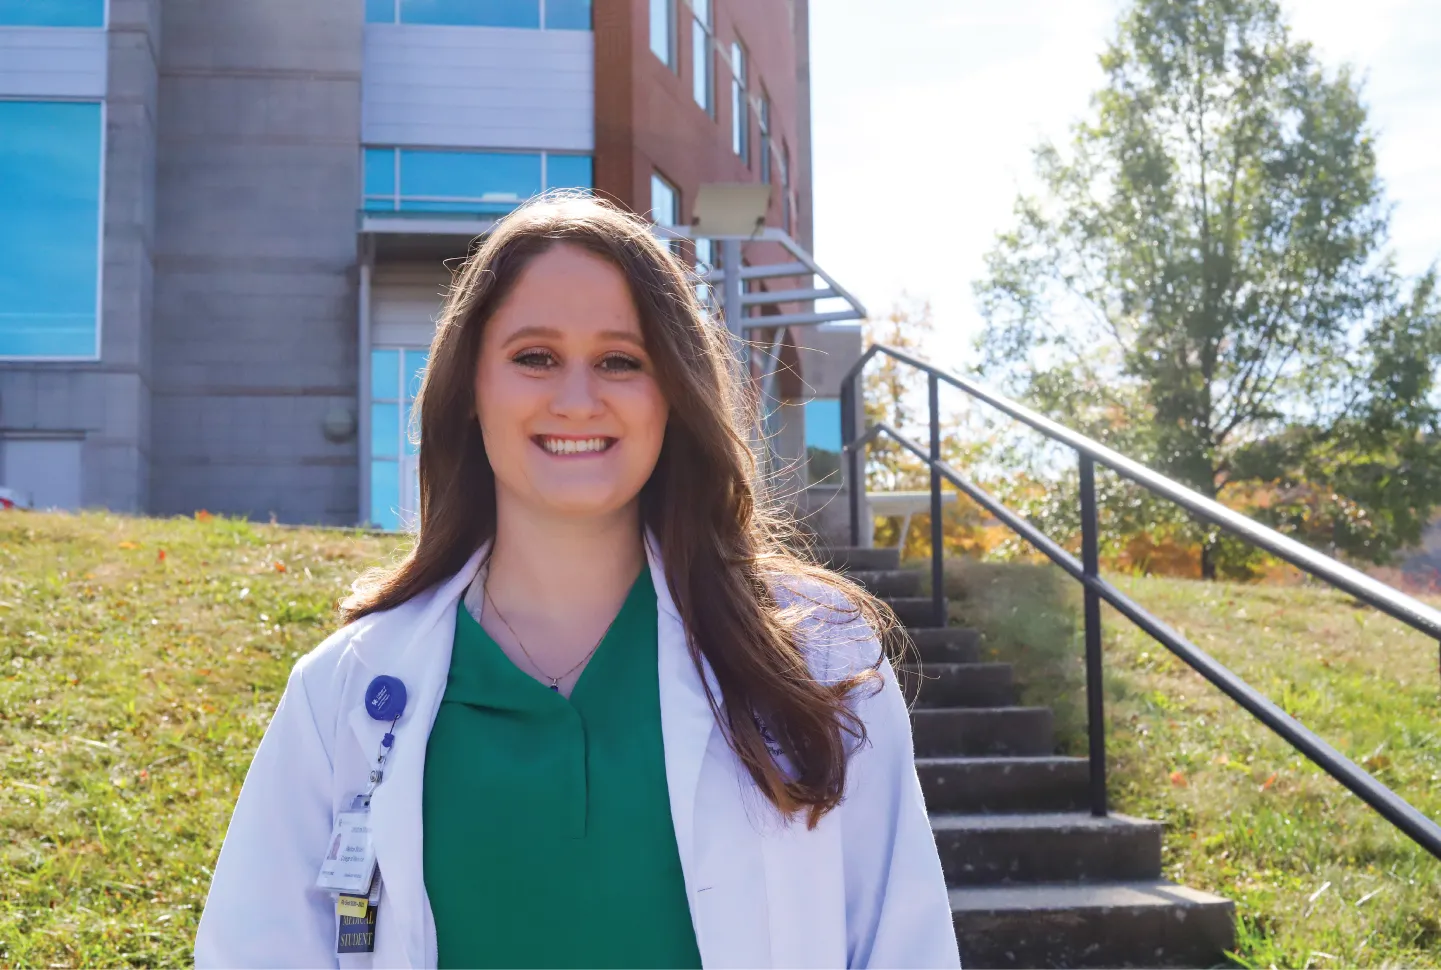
{"points": [[1319, 879], [140, 660]]}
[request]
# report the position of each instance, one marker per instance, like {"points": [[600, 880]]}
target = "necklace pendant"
{"points": [[555, 686]]}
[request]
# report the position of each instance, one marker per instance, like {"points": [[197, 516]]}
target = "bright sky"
{"points": [[925, 113]]}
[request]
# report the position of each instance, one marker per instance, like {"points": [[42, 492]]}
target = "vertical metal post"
{"points": [[362, 383], [938, 552], [732, 287], [1095, 698], [849, 452]]}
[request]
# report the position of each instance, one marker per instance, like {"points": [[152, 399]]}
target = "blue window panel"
{"points": [[569, 172], [567, 14], [415, 371], [385, 495], [472, 13], [380, 171], [469, 175], [52, 13], [380, 11], [50, 228], [380, 205], [823, 424], [384, 430], [385, 375]]}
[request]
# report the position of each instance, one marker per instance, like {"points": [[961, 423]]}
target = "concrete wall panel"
{"points": [[256, 219]]}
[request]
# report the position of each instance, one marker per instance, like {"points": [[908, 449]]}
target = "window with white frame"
{"points": [[662, 31], [740, 115], [417, 180], [702, 63], [532, 14], [50, 224]]}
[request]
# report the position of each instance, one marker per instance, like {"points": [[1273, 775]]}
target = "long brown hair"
{"points": [[725, 550]]}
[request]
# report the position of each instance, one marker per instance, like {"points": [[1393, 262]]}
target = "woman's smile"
{"points": [[565, 446]]}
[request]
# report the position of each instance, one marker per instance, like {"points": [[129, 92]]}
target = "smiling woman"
{"points": [[599, 715]]}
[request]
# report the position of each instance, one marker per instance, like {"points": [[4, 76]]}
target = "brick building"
{"points": [[223, 224]]}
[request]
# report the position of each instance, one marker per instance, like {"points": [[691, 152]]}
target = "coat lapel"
{"points": [[415, 646]]}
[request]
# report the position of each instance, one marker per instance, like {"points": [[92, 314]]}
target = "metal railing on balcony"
{"points": [[1086, 571]]}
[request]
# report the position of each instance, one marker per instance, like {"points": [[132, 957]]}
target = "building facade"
{"points": [[225, 227]]}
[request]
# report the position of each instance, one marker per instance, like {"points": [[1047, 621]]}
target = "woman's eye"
{"points": [[619, 363], [534, 358]]}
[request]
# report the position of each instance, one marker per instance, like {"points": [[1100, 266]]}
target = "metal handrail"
{"points": [[1391, 806]]}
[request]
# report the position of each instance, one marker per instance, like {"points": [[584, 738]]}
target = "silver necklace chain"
{"points": [[554, 681]]}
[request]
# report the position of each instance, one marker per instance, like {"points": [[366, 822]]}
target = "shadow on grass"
{"points": [[1028, 615]]}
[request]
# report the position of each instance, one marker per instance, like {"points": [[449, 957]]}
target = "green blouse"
{"points": [[548, 836]]}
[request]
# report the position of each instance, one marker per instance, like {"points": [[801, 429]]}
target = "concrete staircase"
{"points": [[1035, 879]]}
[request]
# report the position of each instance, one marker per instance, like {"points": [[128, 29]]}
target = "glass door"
{"points": [[395, 376]]}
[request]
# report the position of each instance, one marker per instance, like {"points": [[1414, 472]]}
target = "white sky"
{"points": [[925, 113]]}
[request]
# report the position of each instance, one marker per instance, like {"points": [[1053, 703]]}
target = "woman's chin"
{"points": [[582, 503]]}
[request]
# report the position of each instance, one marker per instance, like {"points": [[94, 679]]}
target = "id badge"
{"points": [[355, 928], [349, 864]]}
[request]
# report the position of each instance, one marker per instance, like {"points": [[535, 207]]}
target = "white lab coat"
{"points": [[862, 889]]}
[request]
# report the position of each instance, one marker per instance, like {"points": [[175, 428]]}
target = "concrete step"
{"points": [[989, 850], [847, 558], [959, 685], [1152, 923], [969, 785], [947, 644], [888, 582], [976, 731], [914, 610]]}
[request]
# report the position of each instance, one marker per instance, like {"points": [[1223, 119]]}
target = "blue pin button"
{"points": [[385, 698]]}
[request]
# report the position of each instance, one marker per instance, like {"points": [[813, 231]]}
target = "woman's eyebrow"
{"points": [[551, 333]]}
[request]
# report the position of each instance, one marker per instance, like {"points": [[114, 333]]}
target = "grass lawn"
{"points": [[1318, 878], [140, 660]]}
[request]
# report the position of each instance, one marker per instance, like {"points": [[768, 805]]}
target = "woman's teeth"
{"points": [[574, 446]]}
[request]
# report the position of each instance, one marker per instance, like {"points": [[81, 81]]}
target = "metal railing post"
{"points": [[850, 449], [1095, 697], [938, 551]]}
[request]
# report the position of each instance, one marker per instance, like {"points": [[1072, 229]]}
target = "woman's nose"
{"points": [[576, 393]]}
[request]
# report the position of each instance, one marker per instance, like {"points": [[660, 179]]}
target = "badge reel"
{"points": [[349, 869]]}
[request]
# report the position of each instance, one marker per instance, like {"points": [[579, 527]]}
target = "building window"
{"points": [[413, 180], [395, 377], [664, 201], [823, 440], [740, 121], [702, 63], [662, 31], [763, 120], [50, 165], [532, 14], [52, 13]]}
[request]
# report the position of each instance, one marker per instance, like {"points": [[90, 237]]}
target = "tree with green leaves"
{"points": [[1202, 280]]}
